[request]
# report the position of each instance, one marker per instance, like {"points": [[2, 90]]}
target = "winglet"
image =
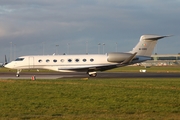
{"points": [[129, 59]]}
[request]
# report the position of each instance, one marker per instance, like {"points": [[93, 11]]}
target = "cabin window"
{"points": [[62, 60], [69, 60], [91, 60], [19, 59], [39, 61], [77, 60], [54, 60], [47, 60], [84, 60]]}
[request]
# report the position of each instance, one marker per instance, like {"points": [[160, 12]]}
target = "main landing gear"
{"points": [[92, 74], [18, 73]]}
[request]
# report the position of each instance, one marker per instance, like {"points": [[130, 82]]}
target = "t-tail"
{"points": [[146, 45], [145, 48]]}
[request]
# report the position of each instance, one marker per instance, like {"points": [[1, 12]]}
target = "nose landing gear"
{"points": [[18, 73]]}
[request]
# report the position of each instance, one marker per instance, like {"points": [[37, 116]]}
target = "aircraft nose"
{"points": [[9, 65], [6, 66]]}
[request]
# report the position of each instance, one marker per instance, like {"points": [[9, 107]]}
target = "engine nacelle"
{"points": [[118, 56]]}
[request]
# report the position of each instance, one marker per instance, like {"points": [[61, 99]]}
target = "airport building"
{"points": [[163, 60]]}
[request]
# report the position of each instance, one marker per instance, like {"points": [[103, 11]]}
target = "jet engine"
{"points": [[118, 57]]}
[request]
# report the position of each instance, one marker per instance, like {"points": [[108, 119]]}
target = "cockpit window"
{"points": [[19, 59]]}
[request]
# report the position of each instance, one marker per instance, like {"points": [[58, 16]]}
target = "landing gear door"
{"points": [[31, 62]]}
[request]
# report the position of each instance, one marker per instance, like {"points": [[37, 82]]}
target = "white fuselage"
{"points": [[62, 63]]}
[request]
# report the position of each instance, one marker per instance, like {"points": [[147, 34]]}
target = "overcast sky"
{"points": [[35, 27]]}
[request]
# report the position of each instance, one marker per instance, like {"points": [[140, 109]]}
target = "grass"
{"points": [[111, 99]]}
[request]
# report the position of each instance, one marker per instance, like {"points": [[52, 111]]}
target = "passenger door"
{"points": [[31, 62]]}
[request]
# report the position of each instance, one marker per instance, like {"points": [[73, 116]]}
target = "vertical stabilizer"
{"points": [[146, 44]]}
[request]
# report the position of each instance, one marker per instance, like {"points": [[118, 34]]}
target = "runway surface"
{"points": [[57, 75]]}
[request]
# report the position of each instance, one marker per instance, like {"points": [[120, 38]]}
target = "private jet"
{"points": [[88, 63]]}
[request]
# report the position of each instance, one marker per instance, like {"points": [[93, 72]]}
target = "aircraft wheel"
{"points": [[17, 75], [93, 75]]}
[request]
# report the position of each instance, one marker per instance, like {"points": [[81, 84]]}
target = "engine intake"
{"points": [[118, 57]]}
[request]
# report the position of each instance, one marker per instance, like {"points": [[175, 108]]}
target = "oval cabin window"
{"points": [[39, 61], [47, 60], [84, 60], [91, 60], [62, 60], [77, 60], [69, 60]]}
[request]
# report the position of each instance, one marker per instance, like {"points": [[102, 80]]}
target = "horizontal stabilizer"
{"points": [[153, 37]]}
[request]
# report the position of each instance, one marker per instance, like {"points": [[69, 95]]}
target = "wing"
{"points": [[88, 68], [97, 67]]}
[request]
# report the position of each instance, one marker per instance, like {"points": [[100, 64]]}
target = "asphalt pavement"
{"points": [[58, 75]]}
